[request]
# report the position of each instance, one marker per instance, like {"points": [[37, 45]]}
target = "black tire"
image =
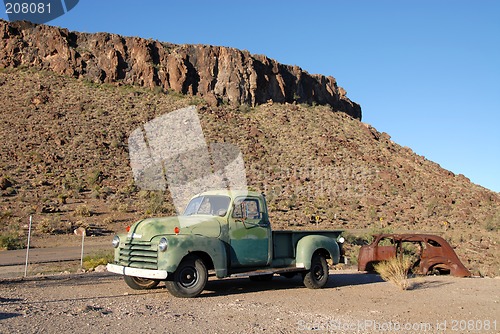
{"points": [[261, 278], [138, 283], [189, 279], [317, 276]]}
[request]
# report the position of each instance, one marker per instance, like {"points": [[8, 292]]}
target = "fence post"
{"points": [[81, 231], [28, 248], [81, 256]]}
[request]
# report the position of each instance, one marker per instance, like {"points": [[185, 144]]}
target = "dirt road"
{"points": [[51, 254], [352, 302]]}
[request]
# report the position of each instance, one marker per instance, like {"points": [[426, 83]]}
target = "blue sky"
{"points": [[426, 72]]}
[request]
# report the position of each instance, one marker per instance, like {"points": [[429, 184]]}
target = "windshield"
{"points": [[208, 205]]}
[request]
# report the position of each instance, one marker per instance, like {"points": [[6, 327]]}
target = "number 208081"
{"points": [[27, 8]]}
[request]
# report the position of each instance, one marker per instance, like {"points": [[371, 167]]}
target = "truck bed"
{"points": [[285, 241]]}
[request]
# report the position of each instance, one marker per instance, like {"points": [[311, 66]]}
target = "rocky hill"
{"points": [[219, 75], [64, 159]]}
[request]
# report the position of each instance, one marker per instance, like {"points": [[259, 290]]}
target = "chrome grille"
{"points": [[139, 254]]}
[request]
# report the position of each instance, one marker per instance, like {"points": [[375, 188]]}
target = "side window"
{"points": [[433, 243], [253, 211], [248, 208], [386, 242]]}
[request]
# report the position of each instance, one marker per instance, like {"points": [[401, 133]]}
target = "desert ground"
{"points": [[352, 302]]}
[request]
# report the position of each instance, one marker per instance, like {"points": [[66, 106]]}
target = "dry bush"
{"points": [[395, 271], [54, 225], [11, 241], [492, 223], [82, 211], [90, 262]]}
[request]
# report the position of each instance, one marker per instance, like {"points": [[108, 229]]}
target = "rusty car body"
{"points": [[430, 253]]}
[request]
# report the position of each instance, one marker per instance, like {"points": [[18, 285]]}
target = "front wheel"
{"points": [[138, 283], [317, 276], [189, 279]]}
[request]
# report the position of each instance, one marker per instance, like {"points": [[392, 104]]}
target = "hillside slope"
{"points": [[64, 159]]}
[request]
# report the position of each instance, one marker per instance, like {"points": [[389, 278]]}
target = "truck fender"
{"points": [[182, 245], [309, 244]]}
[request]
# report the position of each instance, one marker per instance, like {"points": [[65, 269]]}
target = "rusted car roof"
{"points": [[432, 253]]}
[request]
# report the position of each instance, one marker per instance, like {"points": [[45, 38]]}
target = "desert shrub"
{"points": [[108, 220], [196, 100], [101, 192], [94, 177], [171, 92], [128, 190], [82, 211], [244, 108], [5, 214], [492, 223], [374, 231], [96, 193], [11, 242], [355, 239], [123, 207], [395, 271], [62, 198], [54, 225], [352, 245], [106, 192], [155, 203], [72, 182], [91, 261]]}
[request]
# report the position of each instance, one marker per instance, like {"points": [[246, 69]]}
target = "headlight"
{"points": [[341, 240], [163, 244], [116, 241]]}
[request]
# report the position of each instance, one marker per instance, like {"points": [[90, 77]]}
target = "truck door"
{"points": [[249, 233]]}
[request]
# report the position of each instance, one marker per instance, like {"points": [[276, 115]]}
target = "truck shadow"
{"points": [[235, 286], [350, 279], [4, 316]]}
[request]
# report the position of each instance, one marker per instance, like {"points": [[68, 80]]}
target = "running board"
{"points": [[269, 271]]}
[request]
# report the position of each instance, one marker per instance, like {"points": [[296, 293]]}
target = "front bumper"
{"points": [[137, 272]]}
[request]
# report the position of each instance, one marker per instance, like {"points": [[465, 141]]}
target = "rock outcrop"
{"points": [[220, 75]]}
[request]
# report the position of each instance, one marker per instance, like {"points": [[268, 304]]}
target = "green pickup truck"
{"points": [[224, 233]]}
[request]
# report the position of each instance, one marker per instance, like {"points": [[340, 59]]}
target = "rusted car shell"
{"points": [[435, 253]]}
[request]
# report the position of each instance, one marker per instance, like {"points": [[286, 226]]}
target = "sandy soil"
{"points": [[352, 302]]}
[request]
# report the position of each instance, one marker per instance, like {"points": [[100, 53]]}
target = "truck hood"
{"points": [[149, 228]]}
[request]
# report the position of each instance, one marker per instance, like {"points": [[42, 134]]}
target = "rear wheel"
{"points": [[138, 283], [317, 276], [189, 279]]}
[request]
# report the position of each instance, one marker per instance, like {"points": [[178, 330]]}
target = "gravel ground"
{"points": [[352, 302]]}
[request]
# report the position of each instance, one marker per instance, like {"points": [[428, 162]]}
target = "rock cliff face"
{"points": [[220, 75]]}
